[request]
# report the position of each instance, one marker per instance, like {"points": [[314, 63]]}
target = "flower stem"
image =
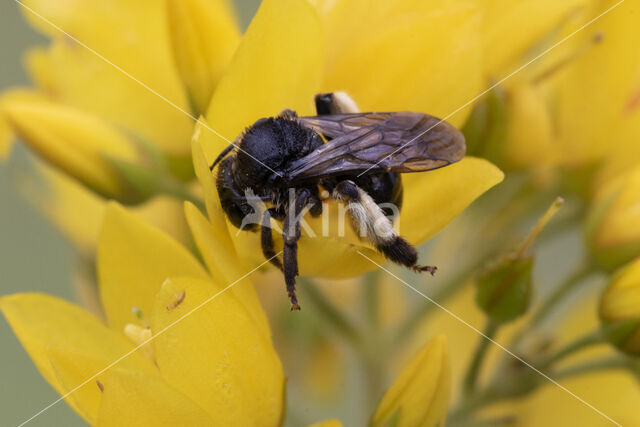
{"points": [[179, 190], [615, 362], [473, 371], [592, 338], [330, 314]]}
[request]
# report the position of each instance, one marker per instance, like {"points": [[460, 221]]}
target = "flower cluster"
{"points": [[132, 101]]}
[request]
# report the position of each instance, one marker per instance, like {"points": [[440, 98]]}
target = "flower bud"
{"points": [[613, 227], [109, 162], [204, 36], [620, 309], [420, 394], [512, 128], [77, 143], [504, 289]]}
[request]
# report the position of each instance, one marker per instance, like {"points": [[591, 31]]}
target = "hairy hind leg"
{"points": [[370, 222]]}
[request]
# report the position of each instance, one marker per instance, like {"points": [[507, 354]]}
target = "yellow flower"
{"points": [[121, 80], [263, 78], [420, 394], [76, 142], [215, 366], [204, 37], [529, 128], [511, 28], [613, 233], [593, 92], [620, 304]]}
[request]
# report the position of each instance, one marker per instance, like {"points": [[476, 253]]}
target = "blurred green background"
{"points": [[34, 257]]}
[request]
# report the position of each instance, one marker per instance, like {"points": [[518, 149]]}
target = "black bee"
{"points": [[355, 157]]}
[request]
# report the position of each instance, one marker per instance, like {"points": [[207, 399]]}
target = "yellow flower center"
{"points": [[141, 336]]}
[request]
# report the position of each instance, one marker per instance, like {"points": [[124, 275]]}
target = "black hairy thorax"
{"points": [[257, 168]]}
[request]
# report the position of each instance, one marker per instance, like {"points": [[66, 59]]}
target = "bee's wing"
{"points": [[378, 142]]}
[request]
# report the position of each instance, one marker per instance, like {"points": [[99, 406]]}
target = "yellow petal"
{"points": [[75, 370], [131, 36], [74, 141], [6, 139], [276, 66], [134, 259], [7, 134], [204, 36], [594, 90], [41, 322], [530, 128], [395, 57], [510, 28], [38, 64], [627, 155], [207, 179], [621, 299], [317, 256], [216, 355], [420, 394], [219, 255], [136, 399], [432, 199], [613, 233]]}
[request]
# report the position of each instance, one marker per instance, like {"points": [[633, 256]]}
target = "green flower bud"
{"points": [[504, 289], [620, 309]]}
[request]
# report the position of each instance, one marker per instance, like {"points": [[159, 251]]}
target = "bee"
{"points": [[355, 157]]}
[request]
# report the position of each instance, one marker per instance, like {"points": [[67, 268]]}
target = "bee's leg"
{"points": [[335, 103], [370, 222], [266, 238], [291, 235]]}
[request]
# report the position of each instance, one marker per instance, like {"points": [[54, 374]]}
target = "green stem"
{"points": [[507, 218], [551, 302], [179, 190], [472, 403], [616, 362], [582, 342], [481, 351], [330, 314], [492, 394]]}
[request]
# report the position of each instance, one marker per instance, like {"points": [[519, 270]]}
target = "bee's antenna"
{"points": [[222, 155]]}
